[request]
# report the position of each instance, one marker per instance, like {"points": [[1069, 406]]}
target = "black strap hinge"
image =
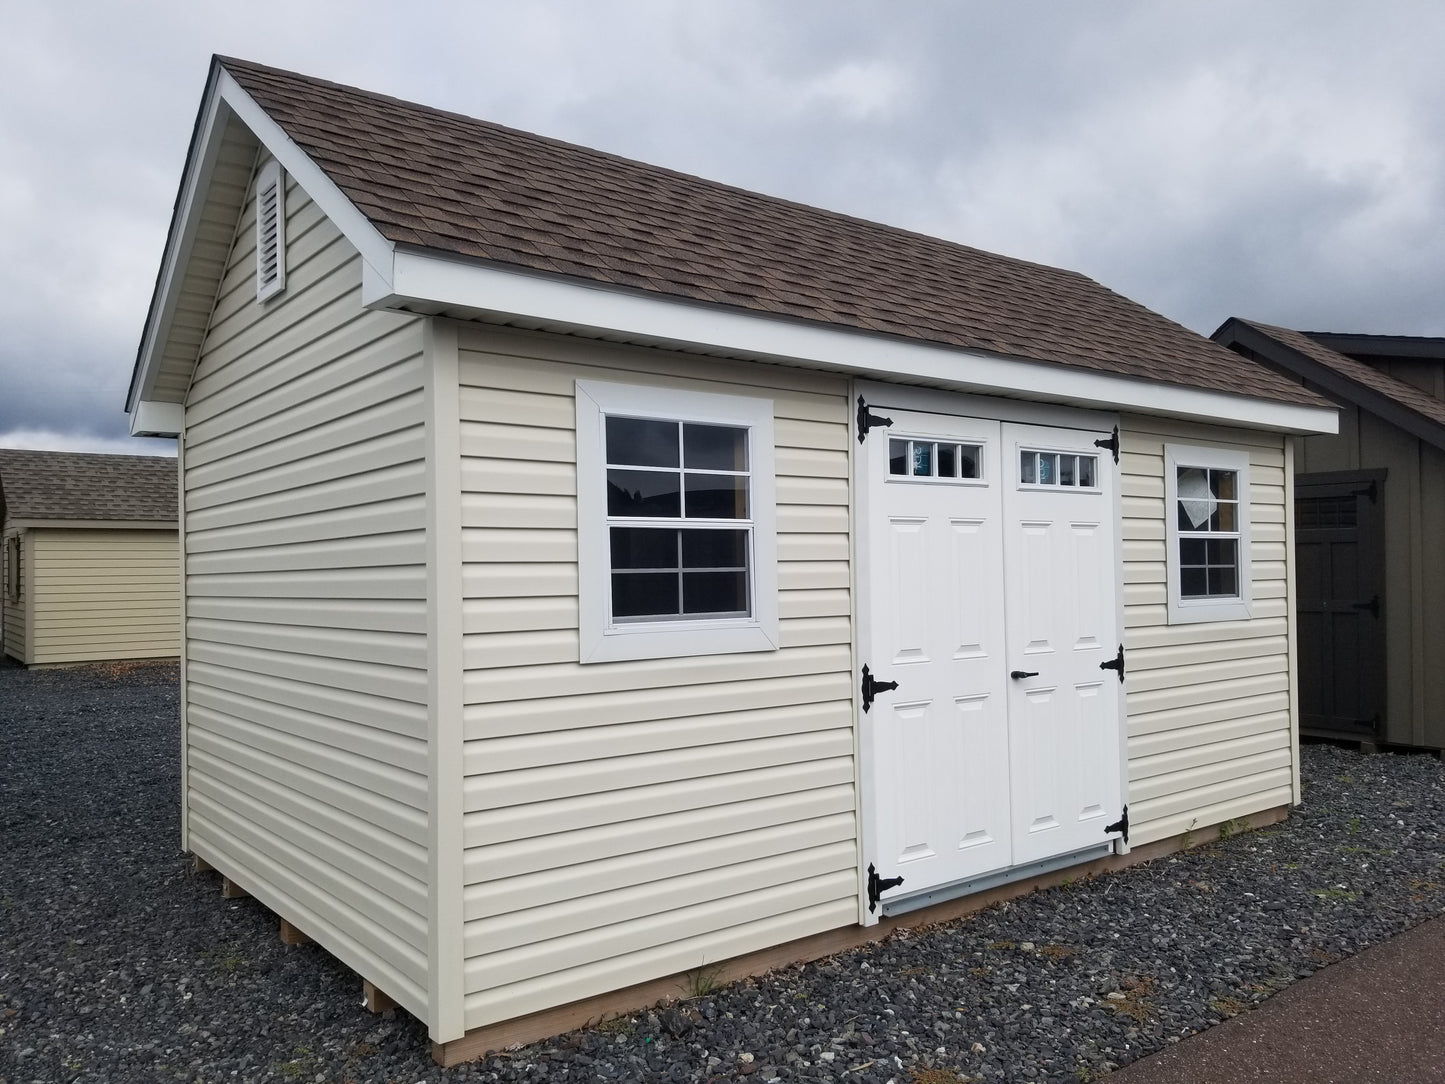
{"points": [[1111, 443], [872, 687], [867, 420], [1371, 491], [1121, 825], [878, 885], [1116, 663]]}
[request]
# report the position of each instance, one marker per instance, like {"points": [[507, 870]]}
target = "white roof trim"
{"points": [[425, 282], [224, 98]]}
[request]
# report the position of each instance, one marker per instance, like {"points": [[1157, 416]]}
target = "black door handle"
{"points": [[1017, 674]]}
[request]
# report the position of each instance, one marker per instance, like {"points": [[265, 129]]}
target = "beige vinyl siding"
{"points": [[304, 497], [1209, 703], [103, 594], [14, 610], [629, 820]]}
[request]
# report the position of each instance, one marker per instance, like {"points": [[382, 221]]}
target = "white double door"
{"points": [[991, 601]]}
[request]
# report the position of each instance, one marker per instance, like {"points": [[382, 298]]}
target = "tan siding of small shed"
{"points": [[633, 819], [1209, 734], [304, 498], [15, 644], [103, 594]]}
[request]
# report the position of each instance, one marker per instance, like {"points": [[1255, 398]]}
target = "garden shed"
{"points": [[595, 573], [89, 557], [1370, 502]]}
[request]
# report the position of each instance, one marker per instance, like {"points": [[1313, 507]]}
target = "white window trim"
{"points": [[601, 640], [271, 178], [1184, 611]]}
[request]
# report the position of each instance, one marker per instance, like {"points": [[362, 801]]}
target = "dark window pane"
{"points": [[714, 447], [1222, 551], [1048, 470], [948, 460], [1192, 551], [644, 594], [1225, 518], [898, 457], [1192, 582], [1086, 471], [641, 442], [1066, 469], [1028, 468], [714, 592], [714, 549], [968, 468], [1221, 484], [643, 547], [643, 493], [1223, 581], [716, 496], [922, 459]]}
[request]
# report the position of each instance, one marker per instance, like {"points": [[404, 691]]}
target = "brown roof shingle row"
{"points": [[85, 486], [449, 183]]}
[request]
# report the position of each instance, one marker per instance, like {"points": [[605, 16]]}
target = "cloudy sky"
{"points": [[1282, 160]]}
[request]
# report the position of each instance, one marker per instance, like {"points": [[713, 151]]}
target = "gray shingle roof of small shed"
{"points": [[87, 486], [443, 182]]}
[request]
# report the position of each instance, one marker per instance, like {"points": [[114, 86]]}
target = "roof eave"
{"points": [[1334, 383], [427, 282], [224, 98]]}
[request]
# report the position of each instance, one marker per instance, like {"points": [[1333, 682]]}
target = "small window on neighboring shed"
{"points": [[12, 568], [270, 231], [677, 549], [1207, 514]]}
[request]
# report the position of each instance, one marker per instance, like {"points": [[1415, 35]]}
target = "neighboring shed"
{"points": [[89, 557], [556, 529], [1370, 502]]}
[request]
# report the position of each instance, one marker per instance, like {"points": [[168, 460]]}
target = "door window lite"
{"points": [[1058, 469]]}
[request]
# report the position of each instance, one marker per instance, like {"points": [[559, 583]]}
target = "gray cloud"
{"points": [[1282, 161]]}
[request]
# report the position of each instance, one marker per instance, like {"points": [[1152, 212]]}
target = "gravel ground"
{"points": [[118, 964]]}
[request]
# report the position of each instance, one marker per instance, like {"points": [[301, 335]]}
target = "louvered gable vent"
{"points": [[270, 231]]}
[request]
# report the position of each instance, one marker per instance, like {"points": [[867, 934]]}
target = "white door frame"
{"points": [[880, 397]]}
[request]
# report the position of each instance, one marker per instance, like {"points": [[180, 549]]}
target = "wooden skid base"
{"points": [[290, 935], [376, 1000], [230, 890], [200, 865], [481, 1041]]}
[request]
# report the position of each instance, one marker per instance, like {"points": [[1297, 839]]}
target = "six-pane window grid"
{"points": [[679, 519], [1208, 511], [933, 459]]}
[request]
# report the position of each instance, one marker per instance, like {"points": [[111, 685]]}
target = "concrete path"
{"points": [[1378, 1016]]}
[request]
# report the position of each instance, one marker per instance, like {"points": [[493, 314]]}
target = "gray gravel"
{"points": [[118, 964]]}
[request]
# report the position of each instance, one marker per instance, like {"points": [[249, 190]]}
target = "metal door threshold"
{"points": [[904, 904]]}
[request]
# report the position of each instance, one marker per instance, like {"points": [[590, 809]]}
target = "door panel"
{"points": [[1061, 624]]}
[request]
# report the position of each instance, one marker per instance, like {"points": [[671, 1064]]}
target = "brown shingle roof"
{"points": [[1397, 391], [78, 485], [445, 182]]}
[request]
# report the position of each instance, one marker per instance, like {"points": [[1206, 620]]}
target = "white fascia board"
{"points": [[376, 250], [224, 98], [149, 418], [428, 282]]}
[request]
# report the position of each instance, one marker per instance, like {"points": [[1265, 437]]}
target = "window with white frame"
{"points": [[677, 550], [12, 568], [1207, 530]]}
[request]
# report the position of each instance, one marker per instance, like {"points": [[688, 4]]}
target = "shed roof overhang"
{"points": [[400, 278], [1235, 332]]}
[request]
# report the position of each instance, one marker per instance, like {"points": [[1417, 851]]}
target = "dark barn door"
{"points": [[1340, 584]]}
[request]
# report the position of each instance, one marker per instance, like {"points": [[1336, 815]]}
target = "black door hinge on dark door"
{"points": [[867, 420], [1116, 663], [1121, 825], [877, 886], [1111, 443], [872, 687]]}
